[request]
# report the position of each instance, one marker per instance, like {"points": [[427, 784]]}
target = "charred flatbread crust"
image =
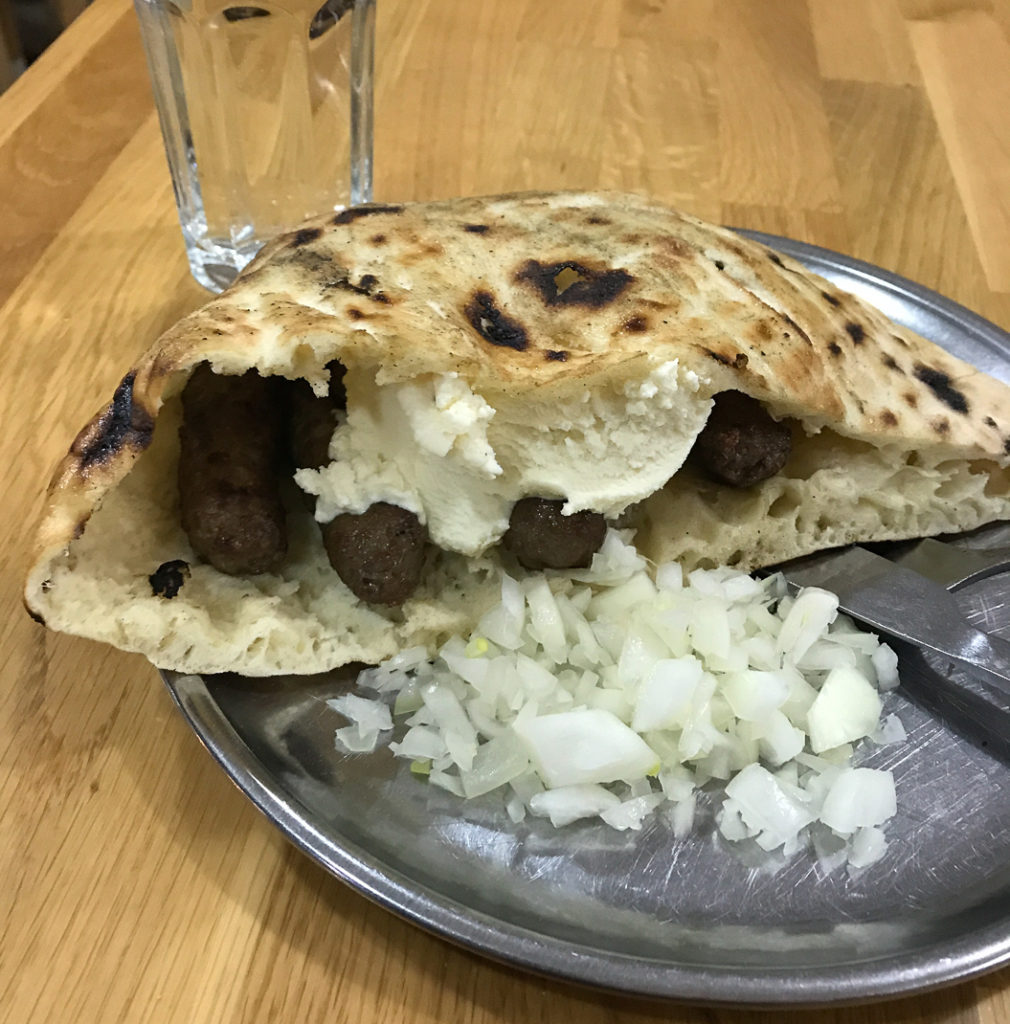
{"points": [[545, 293]]}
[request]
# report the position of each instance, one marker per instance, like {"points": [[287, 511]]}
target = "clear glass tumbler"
{"points": [[266, 114]]}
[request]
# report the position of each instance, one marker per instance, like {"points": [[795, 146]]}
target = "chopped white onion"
{"points": [[859, 798], [566, 804], [846, 708], [591, 745], [608, 693]]}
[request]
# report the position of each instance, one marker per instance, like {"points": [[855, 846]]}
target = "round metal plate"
{"points": [[641, 912]]}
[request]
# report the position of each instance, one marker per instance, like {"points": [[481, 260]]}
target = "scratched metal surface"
{"points": [[640, 912]]}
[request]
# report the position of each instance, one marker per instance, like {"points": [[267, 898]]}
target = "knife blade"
{"points": [[895, 600]]}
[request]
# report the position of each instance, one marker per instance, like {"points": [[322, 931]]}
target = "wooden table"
{"points": [[136, 884]]}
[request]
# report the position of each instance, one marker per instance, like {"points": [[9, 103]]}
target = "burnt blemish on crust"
{"points": [[167, 580], [737, 361], [304, 236], [942, 386], [764, 330], [379, 239], [356, 314], [989, 421], [120, 425], [570, 283], [856, 332], [34, 616], [719, 265], [833, 299], [476, 229], [556, 355], [889, 361], [353, 213], [911, 399], [888, 418], [332, 276], [493, 325], [636, 324], [1006, 446], [835, 349], [595, 218], [941, 425], [776, 259], [799, 330]]}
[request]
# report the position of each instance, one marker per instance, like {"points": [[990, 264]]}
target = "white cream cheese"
{"points": [[435, 447]]}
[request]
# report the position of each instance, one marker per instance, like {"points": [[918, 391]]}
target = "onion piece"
{"points": [[588, 746]]}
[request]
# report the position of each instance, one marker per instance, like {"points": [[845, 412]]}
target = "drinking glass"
{"points": [[266, 115]]}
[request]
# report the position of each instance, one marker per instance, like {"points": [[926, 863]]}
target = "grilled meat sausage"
{"points": [[741, 444], [231, 442], [379, 553], [311, 418], [310, 426], [542, 538]]}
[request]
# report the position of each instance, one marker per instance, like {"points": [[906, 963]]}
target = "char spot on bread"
{"points": [[942, 387], [556, 355], [121, 425], [636, 324], [889, 361], [799, 330], [476, 229], [353, 213], [738, 360], [493, 324], [833, 299], [571, 283], [167, 580], [835, 349], [856, 332], [304, 236]]}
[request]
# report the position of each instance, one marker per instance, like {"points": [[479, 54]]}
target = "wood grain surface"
{"points": [[137, 883]]}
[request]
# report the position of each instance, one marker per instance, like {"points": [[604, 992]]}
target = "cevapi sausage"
{"points": [[311, 418], [542, 538], [741, 444], [378, 553], [231, 441]]}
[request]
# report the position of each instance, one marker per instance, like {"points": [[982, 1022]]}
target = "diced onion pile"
{"points": [[611, 692]]}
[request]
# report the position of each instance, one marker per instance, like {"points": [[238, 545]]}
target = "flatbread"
{"points": [[535, 302]]}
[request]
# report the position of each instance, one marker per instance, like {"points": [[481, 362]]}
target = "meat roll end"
{"points": [[379, 553], [741, 444], [542, 538]]}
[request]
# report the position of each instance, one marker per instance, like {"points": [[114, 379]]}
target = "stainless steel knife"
{"points": [[894, 599]]}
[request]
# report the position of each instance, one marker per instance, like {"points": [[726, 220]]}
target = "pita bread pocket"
{"points": [[557, 346]]}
